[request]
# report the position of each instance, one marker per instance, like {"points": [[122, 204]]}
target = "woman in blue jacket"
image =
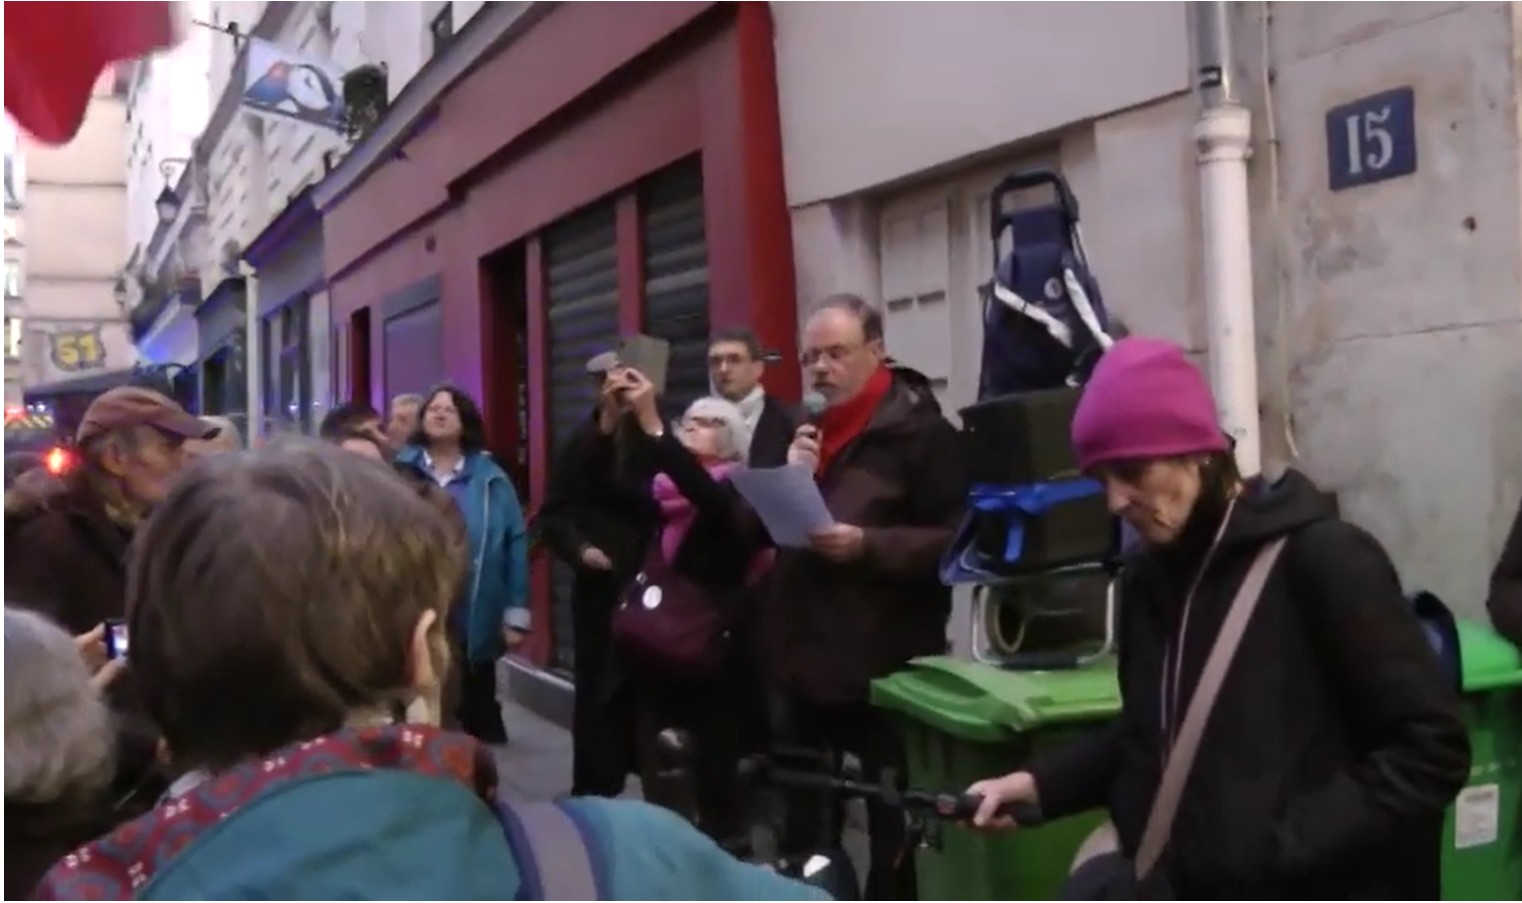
{"points": [[492, 616]]}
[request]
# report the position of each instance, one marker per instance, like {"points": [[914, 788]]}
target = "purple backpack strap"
{"points": [[552, 853]]}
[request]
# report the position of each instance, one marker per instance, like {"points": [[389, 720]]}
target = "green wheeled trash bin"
{"points": [[962, 722], [1482, 841]]}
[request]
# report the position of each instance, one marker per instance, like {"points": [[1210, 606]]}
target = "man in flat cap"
{"points": [[596, 520]]}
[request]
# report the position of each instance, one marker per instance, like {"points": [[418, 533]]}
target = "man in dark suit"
{"points": [[735, 365]]}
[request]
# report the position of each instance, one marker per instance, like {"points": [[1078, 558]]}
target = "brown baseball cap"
{"points": [[125, 407]]}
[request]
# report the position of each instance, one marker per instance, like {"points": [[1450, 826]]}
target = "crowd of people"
{"points": [[300, 615], [310, 618]]}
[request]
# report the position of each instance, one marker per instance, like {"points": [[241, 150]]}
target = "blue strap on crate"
{"points": [[1028, 501]]}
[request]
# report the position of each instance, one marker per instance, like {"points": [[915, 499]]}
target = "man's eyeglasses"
{"points": [[721, 361], [833, 354]]}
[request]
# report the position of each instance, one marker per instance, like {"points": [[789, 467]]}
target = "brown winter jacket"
{"points": [[66, 558], [1505, 602], [64, 555], [830, 629]]}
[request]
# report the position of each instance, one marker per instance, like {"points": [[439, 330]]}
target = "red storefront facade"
{"points": [[446, 258]]}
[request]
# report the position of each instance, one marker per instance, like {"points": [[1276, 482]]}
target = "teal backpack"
{"points": [[381, 834]]}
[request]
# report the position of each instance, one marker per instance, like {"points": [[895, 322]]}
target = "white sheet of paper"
{"points": [[787, 500]]}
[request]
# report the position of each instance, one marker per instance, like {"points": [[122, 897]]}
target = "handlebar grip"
{"points": [[964, 806]]}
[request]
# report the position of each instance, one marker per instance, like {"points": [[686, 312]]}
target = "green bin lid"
{"points": [[1489, 660], [986, 704]]}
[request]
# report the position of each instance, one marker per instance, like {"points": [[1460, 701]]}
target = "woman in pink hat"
{"points": [[1334, 745]]}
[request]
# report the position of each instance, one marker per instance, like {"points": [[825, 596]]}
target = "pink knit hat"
{"points": [[1145, 400]]}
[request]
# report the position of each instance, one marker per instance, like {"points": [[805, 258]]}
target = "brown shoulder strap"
{"points": [[1176, 774]]}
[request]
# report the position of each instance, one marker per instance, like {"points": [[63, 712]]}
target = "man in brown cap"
{"points": [[66, 537]]}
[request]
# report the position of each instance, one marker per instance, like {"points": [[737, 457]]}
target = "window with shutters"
{"points": [[414, 349], [271, 363], [341, 375], [522, 374], [676, 278], [916, 272], [287, 373], [581, 307], [295, 363]]}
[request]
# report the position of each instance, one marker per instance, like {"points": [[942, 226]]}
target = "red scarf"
{"points": [[840, 424]]}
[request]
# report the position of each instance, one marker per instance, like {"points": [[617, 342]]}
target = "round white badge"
{"points": [[651, 598]]}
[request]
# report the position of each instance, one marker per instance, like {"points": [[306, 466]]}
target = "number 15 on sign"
{"points": [[1371, 139]]}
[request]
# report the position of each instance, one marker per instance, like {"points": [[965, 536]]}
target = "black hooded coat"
{"points": [[1336, 743]]}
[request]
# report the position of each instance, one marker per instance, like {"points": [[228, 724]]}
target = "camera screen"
{"points": [[116, 639]]}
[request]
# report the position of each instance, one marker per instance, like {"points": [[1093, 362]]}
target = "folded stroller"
{"points": [[1044, 322]]}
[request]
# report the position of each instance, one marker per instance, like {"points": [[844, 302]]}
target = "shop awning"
{"points": [[94, 383], [55, 52]]}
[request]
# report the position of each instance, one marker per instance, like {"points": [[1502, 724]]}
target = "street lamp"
{"points": [[168, 204], [169, 201]]}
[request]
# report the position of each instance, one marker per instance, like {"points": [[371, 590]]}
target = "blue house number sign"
{"points": [[1371, 139]]}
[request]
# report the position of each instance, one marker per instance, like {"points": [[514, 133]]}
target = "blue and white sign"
{"points": [[289, 84], [1371, 139]]}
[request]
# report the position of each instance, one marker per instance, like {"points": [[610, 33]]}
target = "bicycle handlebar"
{"points": [[963, 806], [959, 807]]}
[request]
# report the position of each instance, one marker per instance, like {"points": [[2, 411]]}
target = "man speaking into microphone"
{"points": [[865, 597]]}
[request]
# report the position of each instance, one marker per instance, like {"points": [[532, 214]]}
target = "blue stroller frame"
{"points": [[1044, 322]]}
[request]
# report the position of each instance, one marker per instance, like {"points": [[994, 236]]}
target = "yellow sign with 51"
{"points": [[76, 350]]}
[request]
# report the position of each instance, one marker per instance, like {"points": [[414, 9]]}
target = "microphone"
{"points": [[813, 406], [813, 411]]}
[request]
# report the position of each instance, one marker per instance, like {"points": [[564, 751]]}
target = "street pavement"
{"points": [[535, 765]]}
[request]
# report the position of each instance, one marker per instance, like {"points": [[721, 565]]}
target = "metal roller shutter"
{"points": [[676, 278], [581, 299]]}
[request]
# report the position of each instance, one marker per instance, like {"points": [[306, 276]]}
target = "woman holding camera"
{"points": [[679, 626]]}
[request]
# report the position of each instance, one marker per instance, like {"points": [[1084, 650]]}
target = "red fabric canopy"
{"points": [[55, 52]]}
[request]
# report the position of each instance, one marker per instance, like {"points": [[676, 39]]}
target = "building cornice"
{"points": [[298, 216], [495, 26]]}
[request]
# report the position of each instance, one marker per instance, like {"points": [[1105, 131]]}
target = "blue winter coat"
{"points": [[497, 591], [395, 812]]}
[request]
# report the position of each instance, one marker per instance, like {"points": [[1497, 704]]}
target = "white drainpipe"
{"points": [[1223, 138]]}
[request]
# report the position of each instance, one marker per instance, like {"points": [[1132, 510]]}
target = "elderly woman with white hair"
{"points": [[679, 629], [60, 750]]}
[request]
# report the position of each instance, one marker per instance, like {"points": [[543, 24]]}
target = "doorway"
{"points": [[505, 382]]}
